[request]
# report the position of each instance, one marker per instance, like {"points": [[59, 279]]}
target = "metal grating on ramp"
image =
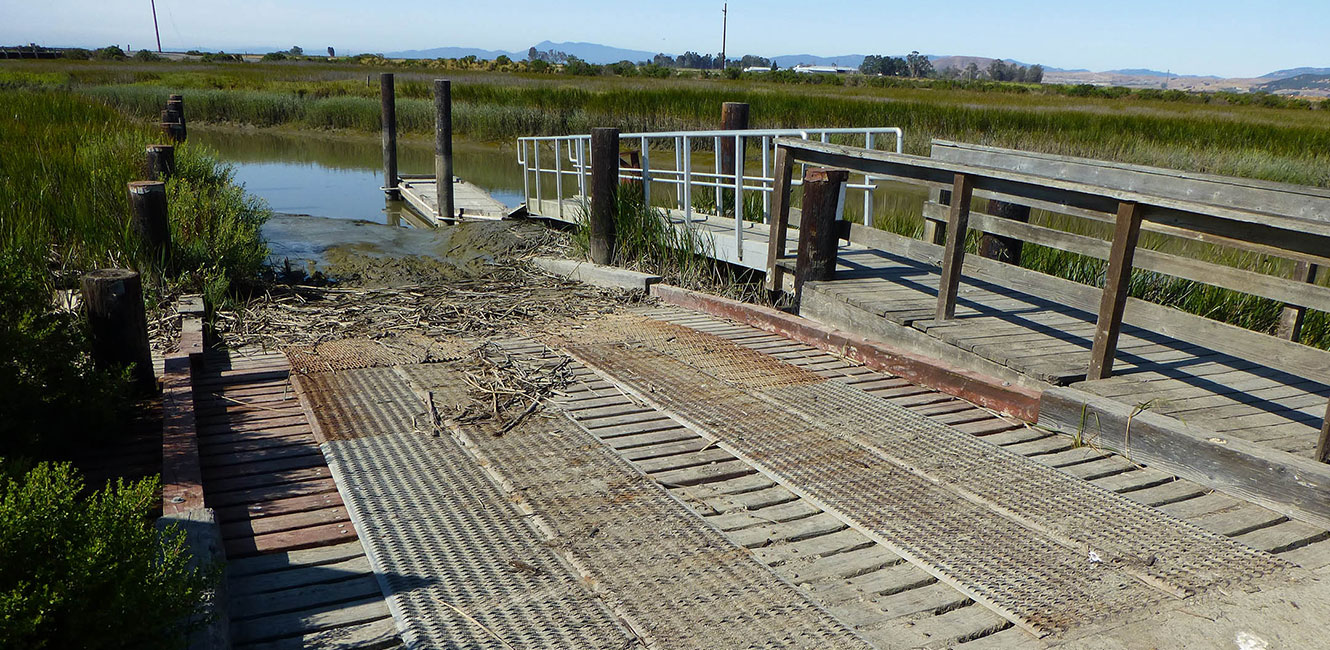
{"points": [[677, 580], [1035, 569], [461, 566], [362, 402], [349, 354]]}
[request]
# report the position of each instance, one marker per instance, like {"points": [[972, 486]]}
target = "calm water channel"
{"points": [[340, 176]]}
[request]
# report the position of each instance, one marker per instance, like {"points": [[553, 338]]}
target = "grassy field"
{"points": [[1281, 142]]}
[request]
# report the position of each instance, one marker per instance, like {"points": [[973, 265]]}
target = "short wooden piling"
{"points": [[175, 111], [953, 256], [118, 325], [172, 128], [148, 217], [161, 162], [733, 117], [604, 187], [388, 102], [998, 247], [818, 227], [443, 147]]}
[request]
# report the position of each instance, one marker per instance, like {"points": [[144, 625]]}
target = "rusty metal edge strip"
{"points": [[979, 389]]}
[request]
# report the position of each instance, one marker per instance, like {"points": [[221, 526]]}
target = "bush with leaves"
{"points": [[91, 571]]}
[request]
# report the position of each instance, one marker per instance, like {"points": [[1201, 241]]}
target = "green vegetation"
{"points": [[91, 571]]}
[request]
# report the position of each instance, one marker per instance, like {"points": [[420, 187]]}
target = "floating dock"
{"points": [[469, 200]]}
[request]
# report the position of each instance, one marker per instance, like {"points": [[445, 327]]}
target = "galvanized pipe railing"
{"points": [[573, 150]]}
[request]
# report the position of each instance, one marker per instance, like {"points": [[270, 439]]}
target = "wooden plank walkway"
{"points": [[891, 602], [1235, 382], [469, 199], [297, 575]]}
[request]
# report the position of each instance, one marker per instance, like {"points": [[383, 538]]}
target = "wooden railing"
{"points": [[1288, 222]]}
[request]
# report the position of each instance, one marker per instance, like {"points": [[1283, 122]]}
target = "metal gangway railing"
{"points": [[570, 156]]}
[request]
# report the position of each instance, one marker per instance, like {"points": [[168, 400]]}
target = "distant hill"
{"points": [[1294, 72], [1304, 84], [452, 53], [594, 53], [791, 60], [1142, 72]]}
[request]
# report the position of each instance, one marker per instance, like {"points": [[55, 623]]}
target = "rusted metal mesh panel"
{"points": [[710, 354], [677, 580], [348, 354], [461, 566], [1174, 555], [362, 402]]}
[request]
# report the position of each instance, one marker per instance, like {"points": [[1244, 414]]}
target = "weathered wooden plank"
{"points": [[264, 564], [294, 624]]}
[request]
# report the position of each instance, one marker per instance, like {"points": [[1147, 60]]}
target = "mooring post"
{"points": [[171, 127], [161, 162], [443, 147], [388, 101], [733, 117], [148, 217], [176, 106], [604, 186], [1290, 320], [118, 324], [780, 218], [818, 228], [1114, 299], [997, 247], [953, 256]]}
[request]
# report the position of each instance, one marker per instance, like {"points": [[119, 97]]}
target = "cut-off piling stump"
{"points": [[118, 324], [604, 187], [148, 218], [161, 162]]}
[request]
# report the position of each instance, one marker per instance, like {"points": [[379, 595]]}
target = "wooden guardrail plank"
{"points": [[1114, 300], [954, 256], [1301, 292]]}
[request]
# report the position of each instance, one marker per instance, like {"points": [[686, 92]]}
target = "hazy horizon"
{"points": [[1222, 37]]}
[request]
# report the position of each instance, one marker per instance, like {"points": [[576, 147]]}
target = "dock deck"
{"points": [[470, 201]]}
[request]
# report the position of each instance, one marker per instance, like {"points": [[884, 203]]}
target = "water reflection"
{"points": [[340, 176]]}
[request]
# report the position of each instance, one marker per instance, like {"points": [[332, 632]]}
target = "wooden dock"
{"points": [[470, 201]]}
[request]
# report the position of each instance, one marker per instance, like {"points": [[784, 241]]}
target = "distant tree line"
{"points": [[917, 66], [914, 65]]}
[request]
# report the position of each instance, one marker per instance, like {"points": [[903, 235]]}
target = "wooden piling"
{"points": [[148, 217], [118, 325], [1290, 320], [818, 227], [388, 101], [172, 128], [604, 186], [443, 146], [161, 162], [175, 110], [1114, 299], [998, 247], [733, 117], [780, 218], [953, 256]]}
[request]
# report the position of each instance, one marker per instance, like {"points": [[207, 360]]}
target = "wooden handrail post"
{"points": [[818, 230], [1323, 443], [932, 233], [604, 187], [443, 148], [997, 247], [1290, 321], [388, 116], [161, 162], [953, 257], [1113, 301], [118, 324], [780, 218]]}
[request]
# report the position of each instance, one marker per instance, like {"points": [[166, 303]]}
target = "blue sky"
{"points": [[1224, 37]]}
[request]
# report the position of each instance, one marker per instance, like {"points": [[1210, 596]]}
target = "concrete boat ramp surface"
{"points": [[694, 482]]}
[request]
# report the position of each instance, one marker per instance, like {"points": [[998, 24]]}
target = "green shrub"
{"points": [[91, 572], [148, 55], [53, 396], [109, 53]]}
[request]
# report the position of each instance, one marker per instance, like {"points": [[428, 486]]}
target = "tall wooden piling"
{"points": [[161, 162], [443, 146], [818, 227], [388, 101], [119, 327], [604, 187], [733, 117], [997, 247], [148, 217]]}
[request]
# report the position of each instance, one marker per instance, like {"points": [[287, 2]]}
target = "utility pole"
{"points": [[724, 27], [154, 26]]}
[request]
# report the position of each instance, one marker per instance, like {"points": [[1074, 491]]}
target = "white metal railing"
{"points": [[571, 158]]}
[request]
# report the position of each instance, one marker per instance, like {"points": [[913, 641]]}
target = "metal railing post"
{"points": [[739, 195], [720, 195], [688, 181], [536, 162], [558, 175], [678, 172], [646, 173]]}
